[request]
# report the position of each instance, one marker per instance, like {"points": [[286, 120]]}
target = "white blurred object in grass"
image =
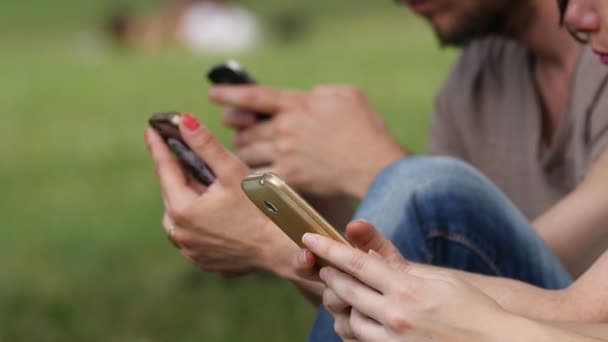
{"points": [[217, 26]]}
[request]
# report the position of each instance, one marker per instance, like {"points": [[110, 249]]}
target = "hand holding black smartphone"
{"points": [[232, 73], [167, 123], [167, 126]]}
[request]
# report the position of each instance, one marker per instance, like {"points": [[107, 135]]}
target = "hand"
{"points": [[327, 141], [217, 228], [394, 300], [364, 237]]}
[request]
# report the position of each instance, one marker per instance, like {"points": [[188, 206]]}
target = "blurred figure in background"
{"points": [[201, 26]]}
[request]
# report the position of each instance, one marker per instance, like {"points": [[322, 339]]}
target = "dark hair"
{"points": [[563, 4]]}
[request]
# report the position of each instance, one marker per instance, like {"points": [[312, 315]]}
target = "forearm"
{"points": [[575, 228], [598, 331], [364, 173], [517, 328]]}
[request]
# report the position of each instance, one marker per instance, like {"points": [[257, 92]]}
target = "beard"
{"points": [[488, 18]]}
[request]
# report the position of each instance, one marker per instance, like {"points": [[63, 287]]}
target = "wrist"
{"points": [[365, 173]]}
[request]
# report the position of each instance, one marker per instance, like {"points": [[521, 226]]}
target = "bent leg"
{"points": [[443, 212]]}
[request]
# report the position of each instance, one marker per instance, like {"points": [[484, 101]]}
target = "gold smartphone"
{"points": [[286, 208]]}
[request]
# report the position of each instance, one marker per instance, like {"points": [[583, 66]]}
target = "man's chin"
{"points": [[452, 39]]}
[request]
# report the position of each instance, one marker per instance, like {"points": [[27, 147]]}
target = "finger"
{"points": [[333, 303], [366, 329], [238, 118], [261, 132], [304, 265], [259, 154], [207, 147], [255, 98], [374, 273], [170, 174], [364, 236], [353, 292], [342, 326], [195, 185]]}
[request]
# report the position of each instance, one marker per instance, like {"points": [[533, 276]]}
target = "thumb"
{"points": [[207, 147], [369, 240]]}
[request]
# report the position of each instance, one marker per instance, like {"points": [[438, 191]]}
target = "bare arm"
{"points": [[597, 331], [575, 228], [585, 301]]}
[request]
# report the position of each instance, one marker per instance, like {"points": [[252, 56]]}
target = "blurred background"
{"points": [[82, 253]]}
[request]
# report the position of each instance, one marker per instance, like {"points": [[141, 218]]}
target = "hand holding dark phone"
{"points": [[167, 126], [232, 73]]}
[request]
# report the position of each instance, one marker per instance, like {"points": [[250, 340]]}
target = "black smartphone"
{"points": [[231, 72], [167, 126]]}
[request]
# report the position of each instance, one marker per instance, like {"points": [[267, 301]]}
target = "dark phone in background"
{"points": [[232, 73], [167, 123]]}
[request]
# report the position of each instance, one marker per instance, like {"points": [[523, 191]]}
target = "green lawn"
{"points": [[82, 253]]}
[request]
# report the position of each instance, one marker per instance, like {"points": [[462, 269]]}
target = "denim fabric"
{"points": [[443, 212]]}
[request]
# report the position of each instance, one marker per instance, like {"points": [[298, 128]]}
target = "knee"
{"points": [[408, 188]]}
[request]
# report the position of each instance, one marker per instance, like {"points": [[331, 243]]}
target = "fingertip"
{"points": [[302, 257], [357, 229], [323, 273], [310, 240], [213, 93]]}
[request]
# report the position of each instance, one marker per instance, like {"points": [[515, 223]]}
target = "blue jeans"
{"points": [[441, 211]]}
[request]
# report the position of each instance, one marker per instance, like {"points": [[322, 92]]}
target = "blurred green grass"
{"points": [[82, 253]]}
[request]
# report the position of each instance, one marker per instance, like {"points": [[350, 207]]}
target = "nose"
{"points": [[581, 17]]}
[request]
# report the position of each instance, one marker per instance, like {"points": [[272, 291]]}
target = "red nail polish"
{"points": [[190, 122]]}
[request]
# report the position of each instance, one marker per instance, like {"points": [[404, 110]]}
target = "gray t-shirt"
{"points": [[488, 113]]}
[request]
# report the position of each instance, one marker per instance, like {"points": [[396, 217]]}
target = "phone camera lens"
{"points": [[270, 207]]}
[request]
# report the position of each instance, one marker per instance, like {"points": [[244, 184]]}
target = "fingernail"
{"points": [[146, 135], [190, 122], [323, 273], [310, 240], [302, 258]]}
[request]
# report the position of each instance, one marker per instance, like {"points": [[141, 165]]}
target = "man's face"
{"points": [[457, 22]]}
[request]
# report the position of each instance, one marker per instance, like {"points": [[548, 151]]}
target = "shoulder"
{"points": [[484, 68], [485, 60]]}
